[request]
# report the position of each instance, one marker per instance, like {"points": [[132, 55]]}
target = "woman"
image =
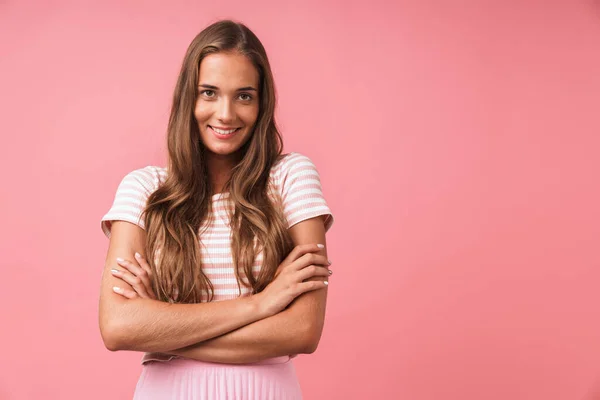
{"points": [[237, 283]]}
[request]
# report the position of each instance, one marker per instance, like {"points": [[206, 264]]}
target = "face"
{"points": [[227, 103]]}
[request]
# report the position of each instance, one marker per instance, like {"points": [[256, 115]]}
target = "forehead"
{"points": [[228, 71]]}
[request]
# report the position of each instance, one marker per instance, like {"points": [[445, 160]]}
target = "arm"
{"points": [[154, 326], [295, 330]]}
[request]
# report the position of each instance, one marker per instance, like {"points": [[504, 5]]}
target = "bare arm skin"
{"points": [[154, 326], [295, 330]]}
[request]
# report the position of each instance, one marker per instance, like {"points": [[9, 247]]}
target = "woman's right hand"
{"points": [[302, 263]]}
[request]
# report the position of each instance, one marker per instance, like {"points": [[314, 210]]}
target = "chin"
{"points": [[222, 152], [223, 149]]}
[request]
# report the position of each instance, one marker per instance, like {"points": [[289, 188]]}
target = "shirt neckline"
{"points": [[219, 195]]}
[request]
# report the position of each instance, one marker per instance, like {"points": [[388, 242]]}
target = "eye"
{"points": [[245, 97], [208, 93]]}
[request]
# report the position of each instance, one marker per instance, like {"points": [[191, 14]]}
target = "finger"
{"points": [[310, 286], [131, 267], [296, 253], [134, 281], [301, 250], [130, 294], [309, 259], [312, 271], [320, 259], [135, 270], [144, 264], [146, 267]]}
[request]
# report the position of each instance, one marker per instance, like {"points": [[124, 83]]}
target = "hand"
{"points": [[288, 283], [138, 276]]}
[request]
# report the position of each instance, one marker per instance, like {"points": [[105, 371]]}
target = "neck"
{"points": [[219, 169]]}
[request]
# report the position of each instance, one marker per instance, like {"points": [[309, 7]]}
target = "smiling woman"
{"points": [[217, 265], [226, 111]]}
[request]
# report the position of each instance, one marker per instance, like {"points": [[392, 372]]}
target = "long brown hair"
{"points": [[177, 209]]}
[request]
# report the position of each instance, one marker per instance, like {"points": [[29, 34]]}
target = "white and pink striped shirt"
{"points": [[294, 176]]}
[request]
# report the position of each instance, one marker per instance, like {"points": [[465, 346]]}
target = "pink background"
{"points": [[458, 148]]}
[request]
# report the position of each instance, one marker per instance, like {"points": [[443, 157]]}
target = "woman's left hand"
{"points": [[138, 276]]}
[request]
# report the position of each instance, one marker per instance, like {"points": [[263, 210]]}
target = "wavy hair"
{"points": [[177, 210]]}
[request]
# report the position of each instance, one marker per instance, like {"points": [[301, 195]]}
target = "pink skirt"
{"points": [[186, 379]]}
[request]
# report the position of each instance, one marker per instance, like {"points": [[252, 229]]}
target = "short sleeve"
{"points": [[130, 199], [301, 191]]}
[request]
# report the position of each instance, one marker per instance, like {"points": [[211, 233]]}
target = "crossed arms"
{"points": [[229, 331]]}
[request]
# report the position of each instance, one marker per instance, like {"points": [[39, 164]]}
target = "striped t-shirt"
{"points": [[294, 177]]}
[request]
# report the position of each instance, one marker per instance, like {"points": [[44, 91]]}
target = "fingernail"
{"points": [[117, 289], [329, 261], [119, 259], [137, 255], [320, 246], [326, 283], [114, 271], [330, 272]]}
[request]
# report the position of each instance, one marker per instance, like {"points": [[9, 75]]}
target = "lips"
{"points": [[224, 130], [223, 134]]}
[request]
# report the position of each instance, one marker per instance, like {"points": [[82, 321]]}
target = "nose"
{"points": [[225, 113]]}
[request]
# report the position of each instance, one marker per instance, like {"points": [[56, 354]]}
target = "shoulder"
{"points": [[131, 196], [299, 185], [295, 173], [291, 158], [290, 163], [146, 179]]}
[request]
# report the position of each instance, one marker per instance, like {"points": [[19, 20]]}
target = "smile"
{"points": [[223, 133]]}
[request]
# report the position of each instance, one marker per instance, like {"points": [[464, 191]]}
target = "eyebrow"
{"points": [[204, 85]]}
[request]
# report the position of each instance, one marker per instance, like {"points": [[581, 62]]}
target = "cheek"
{"points": [[202, 112], [249, 115]]}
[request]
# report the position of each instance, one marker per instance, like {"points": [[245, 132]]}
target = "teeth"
{"points": [[224, 132]]}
